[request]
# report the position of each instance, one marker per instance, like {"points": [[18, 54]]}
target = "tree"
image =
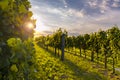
{"points": [[97, 46], [79, 43], [56, 40], [104, 45], [69, 43], [114, 37], [92, 46], [85, 43], [14, 17]]}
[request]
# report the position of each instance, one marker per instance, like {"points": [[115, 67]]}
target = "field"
{"points": [[73, 68]]}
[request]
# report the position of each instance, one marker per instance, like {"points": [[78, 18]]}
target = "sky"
{"points": [[76, 16]]}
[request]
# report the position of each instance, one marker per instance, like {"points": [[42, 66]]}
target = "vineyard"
{"points": [[59, 56], [99, 51]]}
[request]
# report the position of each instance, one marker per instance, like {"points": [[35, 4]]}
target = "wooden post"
{"points": [[113, 65], [62, 47]]}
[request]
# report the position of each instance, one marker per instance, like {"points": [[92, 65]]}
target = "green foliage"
{"points": [[14, 15], [15, 53], [102, 45], [3, 4], [21, 60], [15, 43], [73, 68], [47, 67], [14, 68]]}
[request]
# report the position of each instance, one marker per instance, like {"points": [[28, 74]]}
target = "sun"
{"points": [[30, 25]]}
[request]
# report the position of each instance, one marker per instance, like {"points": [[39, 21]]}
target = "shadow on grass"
{"points": [[79, 73], [88, 59]]}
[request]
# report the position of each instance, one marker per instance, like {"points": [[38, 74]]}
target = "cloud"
{"points": [[65, 3], [101, 5], [76, 21], [73, 12], [117, 0], [111, 17], [93, 3], [104, 6], [94, 23], [116, 3], [64, 12], [56, 16], [55, 11]]}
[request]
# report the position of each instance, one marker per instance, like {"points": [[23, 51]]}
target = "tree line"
{"points": [[102, 44]]}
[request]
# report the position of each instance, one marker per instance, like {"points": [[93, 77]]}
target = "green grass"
{"points": [[84, 69], [49, 67]]}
